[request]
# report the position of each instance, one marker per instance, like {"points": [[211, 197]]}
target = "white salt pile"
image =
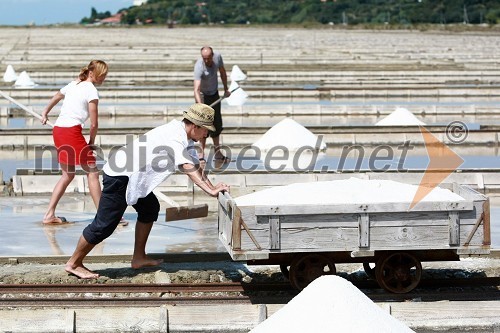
{"points": [[400, 117], [289, 134], [347, 191], [238, 96], [331, 304], [10, 74], [24, 80], [237, 74]]}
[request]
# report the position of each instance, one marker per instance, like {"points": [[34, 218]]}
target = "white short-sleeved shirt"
{"points": [[152, 158], [75, 107]]}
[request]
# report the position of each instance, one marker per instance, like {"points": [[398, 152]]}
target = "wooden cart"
{"points": [[307, 240]]}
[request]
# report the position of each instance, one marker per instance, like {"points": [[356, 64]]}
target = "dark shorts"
{"points": [[209, 99], [113, 204]]}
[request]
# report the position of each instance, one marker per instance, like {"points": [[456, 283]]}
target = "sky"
{"points": [[42, 12]]}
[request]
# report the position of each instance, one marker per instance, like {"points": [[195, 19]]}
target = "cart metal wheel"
{"points": [[369, 270], [306, 268], [398, 272], [285, 270]]}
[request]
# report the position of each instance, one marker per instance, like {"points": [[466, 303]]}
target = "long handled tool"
{"points": [[173, 213], [25, 108], [224, 97]]}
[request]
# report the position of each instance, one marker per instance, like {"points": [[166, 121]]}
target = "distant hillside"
{"points": [[349, 12]]}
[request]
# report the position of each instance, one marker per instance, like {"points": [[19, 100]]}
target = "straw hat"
{"points": [[201, 115]]}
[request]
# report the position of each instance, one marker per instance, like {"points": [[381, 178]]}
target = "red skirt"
{"points": [[72, 149]]}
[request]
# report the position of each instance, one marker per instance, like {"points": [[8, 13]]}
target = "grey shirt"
{"points": [[208, 75]]}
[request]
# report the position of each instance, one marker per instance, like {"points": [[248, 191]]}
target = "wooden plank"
{"points": [[486, 223], [428, 237], [364, 230], [319, 239], [361, 208], [236, 230], [454, 228], [319, 220], [274, 233], [392, 219]]}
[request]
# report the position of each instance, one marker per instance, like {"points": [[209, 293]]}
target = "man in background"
{"points": [[206, 91]]}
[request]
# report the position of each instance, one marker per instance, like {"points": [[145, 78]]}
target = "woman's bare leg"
{"points": [[68, 174]]}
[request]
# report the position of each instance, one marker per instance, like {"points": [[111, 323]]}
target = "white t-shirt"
{"points": [[151, 158], [75, 107]]}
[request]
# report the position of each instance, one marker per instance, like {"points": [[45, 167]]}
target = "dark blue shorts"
{"points": [[113, 204]]}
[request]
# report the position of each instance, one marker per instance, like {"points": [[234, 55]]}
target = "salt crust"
{"points": [[331, 304], [400, 117], [289, 134], [347, 191]]}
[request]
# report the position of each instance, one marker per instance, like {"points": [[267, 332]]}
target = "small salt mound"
{"points": [[237, 74], [347, 191], [10, 74], [289, 134], [238, 96], [331, 304], [400, 117], [24, 80]]}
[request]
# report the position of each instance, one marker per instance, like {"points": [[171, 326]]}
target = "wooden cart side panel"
{"points": [[340, 232], [347, 239]]}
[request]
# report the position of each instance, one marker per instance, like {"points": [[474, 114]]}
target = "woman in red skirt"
{"points": [[80, 103]]}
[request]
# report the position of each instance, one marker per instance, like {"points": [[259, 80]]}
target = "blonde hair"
{"points": [[99, 68]]}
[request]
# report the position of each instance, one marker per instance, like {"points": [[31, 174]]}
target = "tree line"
{"points": [[348, 12]]}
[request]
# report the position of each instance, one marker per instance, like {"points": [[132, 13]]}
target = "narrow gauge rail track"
{"points": [[171, 288], [429, 290]]}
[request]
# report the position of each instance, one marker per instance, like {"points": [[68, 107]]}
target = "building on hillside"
{"points": [[139, 2], [112, 20]]}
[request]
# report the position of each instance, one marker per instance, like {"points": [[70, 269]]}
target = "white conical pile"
{"points": [[289, 145], [24, 80], [331, 304], [10, 74], [400, 117], [237, 74], [289, 134], [238, 96]]}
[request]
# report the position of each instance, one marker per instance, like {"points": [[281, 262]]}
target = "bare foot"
{"points": [[81, 272], [55, 220], [145, 262]]}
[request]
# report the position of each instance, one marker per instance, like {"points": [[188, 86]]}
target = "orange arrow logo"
{"points": [[442, 162]]}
